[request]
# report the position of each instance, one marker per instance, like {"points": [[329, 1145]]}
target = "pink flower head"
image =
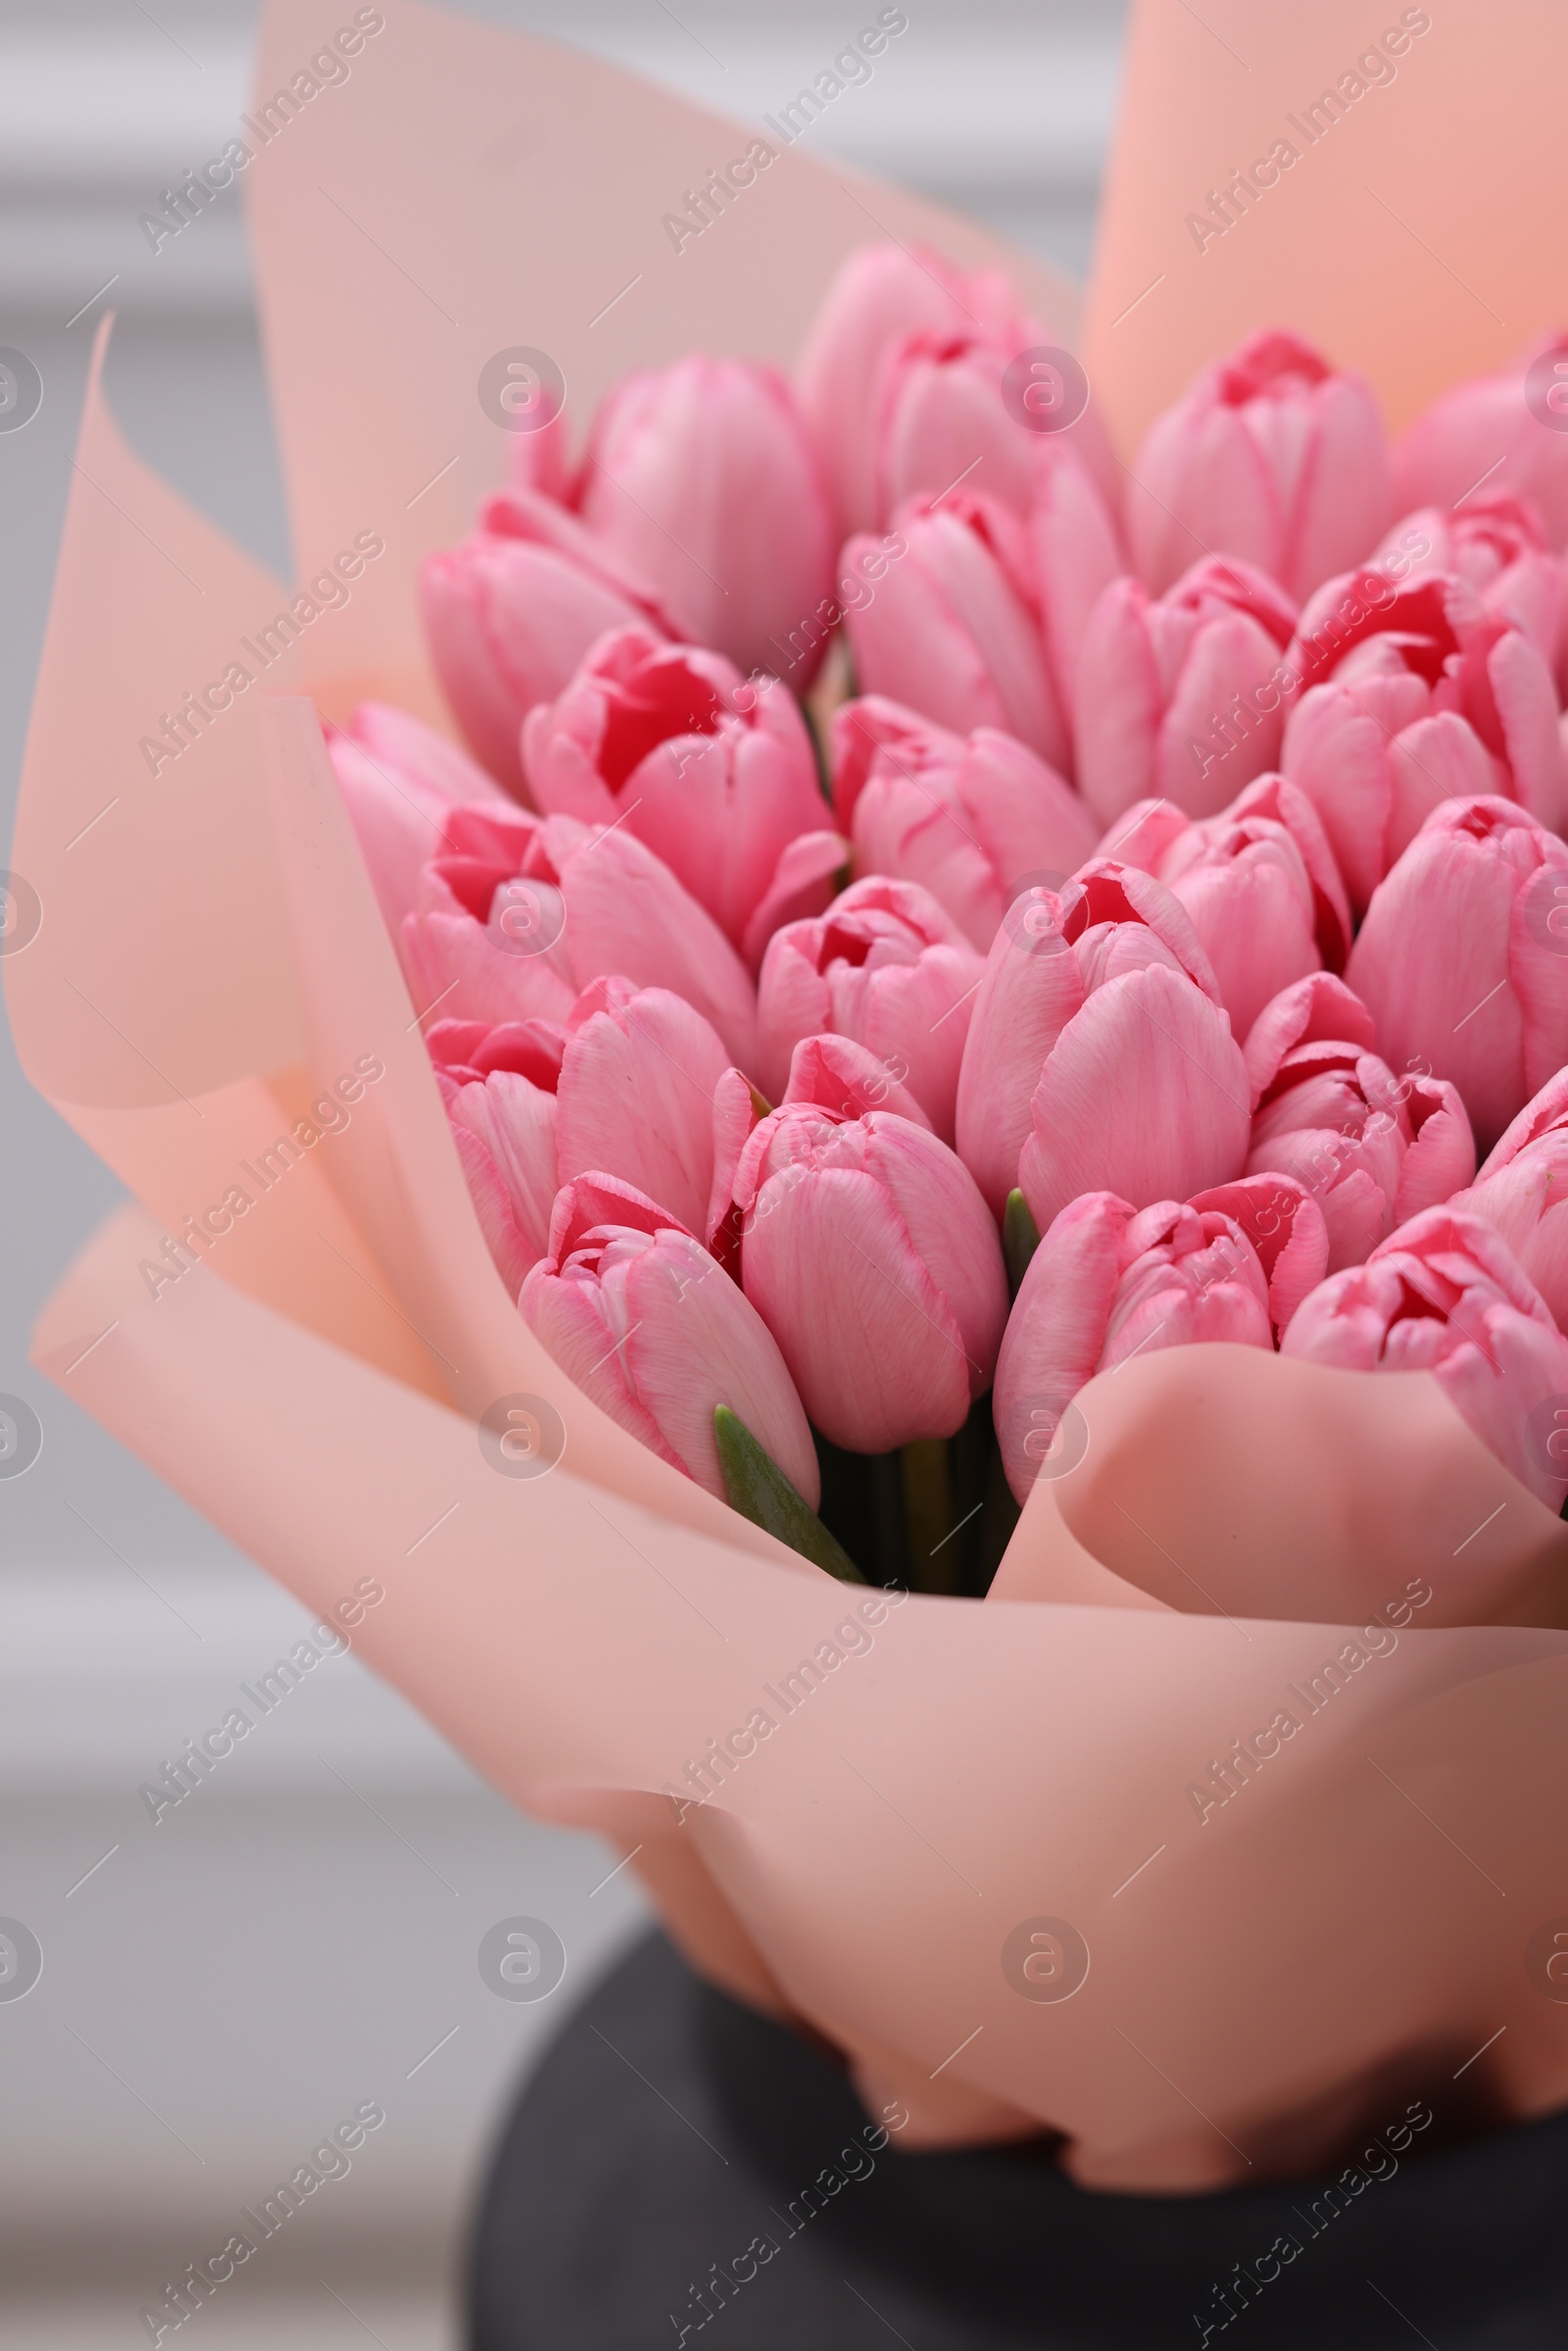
{"points": [[635, 1096], [398, 779], [1523, 1191], [1372, 1149], [702, 476], [876, 1264], [1259, 882], [966, 818], [881, 296], [941, 418], [1496, 545], [1177, 696], [1108, 1282], [954, 629], [520, 912], [511, 611], [1414, 695], [715, 774], [1075, 551], [1319, 1008], [1444, 1295], [640, 1317], [1492, 429], [499, 1083], [1146, 1082], [1273, 457], [886, 966], [1464, 958]]}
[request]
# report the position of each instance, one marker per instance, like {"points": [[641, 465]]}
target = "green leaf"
{"points": [[1020, 1238], [755, 1487]]}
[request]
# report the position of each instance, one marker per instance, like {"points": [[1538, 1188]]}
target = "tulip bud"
{"points": [[953, 628], [485, 938], [837, 1074], [639, 1316], [499, 1086], [1261, 887], [523, 911], [398, 779], [1443, 1294], [885, 965], [510, 612], [1371, 1149], [635, 1098], [1055, 953], [1285, 1225], [1108, 1282], [968, 820], [1075, 550], [1312, 1010], [1178, 696], [1415, 696], [702, 478], [1496, 546], [881, 295], [1272, 456], [1487, 430], [715, 773], [1523, 1191], [871, 1256], [941, 418], [1464, 958]]}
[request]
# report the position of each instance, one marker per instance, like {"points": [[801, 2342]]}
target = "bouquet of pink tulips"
{"points": [[928, 917]]}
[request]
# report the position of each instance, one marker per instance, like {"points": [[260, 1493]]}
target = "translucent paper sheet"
{"points": [[1053, 1860]]}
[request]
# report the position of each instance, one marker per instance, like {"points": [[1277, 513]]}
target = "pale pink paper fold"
{"points": [[210, 959]]}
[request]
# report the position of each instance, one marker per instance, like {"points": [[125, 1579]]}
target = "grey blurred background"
{"points": [[300, 1936]]}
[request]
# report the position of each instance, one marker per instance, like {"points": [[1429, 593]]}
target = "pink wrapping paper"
{"points": [[1361, 1910]]}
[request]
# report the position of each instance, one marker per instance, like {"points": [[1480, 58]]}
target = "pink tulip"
{"points": [[882, 295], [1497, 547], [886, 966], [1372, 1149], [715, 774], [1285, 1225], [1444, 1295], [511, 611], [838, 1074], [952, 630], [1273, 457], [640, 1317], [968, 820], [1414, 695], [1485, 431], [499, 1086], [871, 1256], [1319, 1009], [1108, 1282], [485, 939], [812, 870], [635, 1098], [523, 911], [702, 478], [1173, 695], [1097, 1043], [940, 415], [1075, 550], [399, 778], [1523, 1191], [1261, 887], [1464, 958]]}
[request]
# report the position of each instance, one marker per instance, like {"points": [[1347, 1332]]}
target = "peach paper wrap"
{"points": [[211, 957]]}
